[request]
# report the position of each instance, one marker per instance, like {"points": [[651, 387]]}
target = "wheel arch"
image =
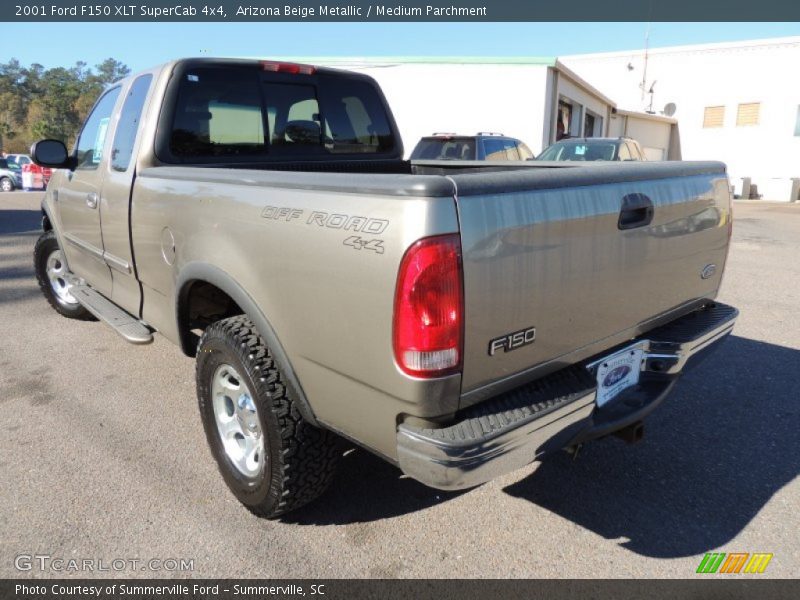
{"points": [[202, 273], [47, 224]]}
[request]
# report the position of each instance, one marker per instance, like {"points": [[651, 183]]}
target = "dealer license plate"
{"points": [[618, 372]]}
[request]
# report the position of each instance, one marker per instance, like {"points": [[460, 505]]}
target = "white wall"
{"points": [[694, 77], [464, 99], [652, 134]]}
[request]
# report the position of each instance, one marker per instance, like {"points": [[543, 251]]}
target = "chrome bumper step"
{"points": [[559, 410]]}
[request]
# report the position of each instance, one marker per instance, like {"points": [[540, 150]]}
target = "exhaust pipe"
{"points": [[632, 434]]}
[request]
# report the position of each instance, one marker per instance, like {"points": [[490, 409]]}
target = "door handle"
{"points": [[91, 200], [637, 211]]}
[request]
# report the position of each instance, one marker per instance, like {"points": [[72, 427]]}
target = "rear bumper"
{"points": [[512, 430]]}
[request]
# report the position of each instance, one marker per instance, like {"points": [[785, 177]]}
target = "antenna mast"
{"points": [[643, 85]]}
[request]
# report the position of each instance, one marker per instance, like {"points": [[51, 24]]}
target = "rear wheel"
{"points": [[51, 273], [272, 459]]}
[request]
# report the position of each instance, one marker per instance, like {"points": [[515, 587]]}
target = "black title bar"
{"points": [[361, 10], [705, 587]]}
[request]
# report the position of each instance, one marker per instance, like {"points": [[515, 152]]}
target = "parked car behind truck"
{"points": [[483, 146], [10, 176], [593, 149], [260, 216]]}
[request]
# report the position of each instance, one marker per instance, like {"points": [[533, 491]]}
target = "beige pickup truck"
{"points": [[459, 320]]}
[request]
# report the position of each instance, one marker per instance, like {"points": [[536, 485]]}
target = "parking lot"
{"points": [[103, 456]]}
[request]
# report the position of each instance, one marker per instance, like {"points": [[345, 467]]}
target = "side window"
{"points": [[93, 134], [125, 137], [511, 150], [624, 153], [494, 149], [797, 123], [524, 152]]}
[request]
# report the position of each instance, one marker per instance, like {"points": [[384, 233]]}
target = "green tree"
{"points": [[111, 70], [36, 102]]}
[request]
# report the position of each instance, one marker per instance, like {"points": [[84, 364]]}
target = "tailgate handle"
{"points": [[637, 211]]}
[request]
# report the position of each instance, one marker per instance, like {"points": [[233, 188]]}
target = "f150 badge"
{"points": [[512, 341]]}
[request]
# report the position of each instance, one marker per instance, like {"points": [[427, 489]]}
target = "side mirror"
{"points": [[50, 153]]}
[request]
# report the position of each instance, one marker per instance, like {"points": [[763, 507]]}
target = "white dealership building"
{"points": [[737, 102]]}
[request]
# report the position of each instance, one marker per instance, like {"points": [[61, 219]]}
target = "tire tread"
{"points": [[308, 455], [41, 250]]}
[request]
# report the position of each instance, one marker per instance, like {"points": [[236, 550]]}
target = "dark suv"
{"points": [[483, 146], [595, 148]]}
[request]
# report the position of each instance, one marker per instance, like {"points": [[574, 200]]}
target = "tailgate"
{"points": [[548, 249]]}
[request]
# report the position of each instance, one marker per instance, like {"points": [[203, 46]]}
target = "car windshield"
{"points": [[577, 150], [444, 149]]}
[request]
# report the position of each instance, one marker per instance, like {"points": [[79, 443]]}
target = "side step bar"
{"points": [[122, 322]]}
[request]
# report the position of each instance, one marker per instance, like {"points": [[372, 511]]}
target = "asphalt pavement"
{"points": [[103, 457]]}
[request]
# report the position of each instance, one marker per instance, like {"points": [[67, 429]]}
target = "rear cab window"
{"points": [[445, 148], [244, 113]]}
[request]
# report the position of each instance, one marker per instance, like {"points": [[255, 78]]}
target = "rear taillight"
{"points": [[429, 308]]}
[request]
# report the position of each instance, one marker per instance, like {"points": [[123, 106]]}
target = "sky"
{"points": [[142, 45]]}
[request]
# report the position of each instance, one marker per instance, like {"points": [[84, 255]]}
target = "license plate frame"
{"points": [[617, 372]]}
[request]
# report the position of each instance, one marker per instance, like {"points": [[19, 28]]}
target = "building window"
{"points": [[714, 116], [748, 114], [588, 125], [564, 120], [797, 123]]}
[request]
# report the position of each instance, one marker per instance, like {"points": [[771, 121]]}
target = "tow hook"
{"points": [[632, 434]]}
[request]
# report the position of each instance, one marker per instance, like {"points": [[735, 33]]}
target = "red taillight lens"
{"points": [[291, 68], [429, 308]]}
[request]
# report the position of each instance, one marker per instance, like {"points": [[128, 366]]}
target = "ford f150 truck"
{"points": [[459, 322]]}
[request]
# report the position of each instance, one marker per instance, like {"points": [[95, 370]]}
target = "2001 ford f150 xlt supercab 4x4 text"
{"points": [[459, 320]]}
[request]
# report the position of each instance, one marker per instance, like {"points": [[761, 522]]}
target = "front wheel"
{"points": [[6, 185], [272, 459], [51, 273]]}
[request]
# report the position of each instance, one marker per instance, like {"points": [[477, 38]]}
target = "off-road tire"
{"points": [[45, 245], [301, 458]]}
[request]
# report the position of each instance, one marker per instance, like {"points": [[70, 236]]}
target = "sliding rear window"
{"points": [[224, 112]]}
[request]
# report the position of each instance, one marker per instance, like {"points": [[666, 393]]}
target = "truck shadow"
{"points": [[18, 232], [713, 455], [19, 221], [367, 488]]}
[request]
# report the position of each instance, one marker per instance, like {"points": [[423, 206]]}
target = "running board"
{"points": [[122, 322]]}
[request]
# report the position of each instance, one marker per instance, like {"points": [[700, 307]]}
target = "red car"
{"points": [[35, 177]]}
